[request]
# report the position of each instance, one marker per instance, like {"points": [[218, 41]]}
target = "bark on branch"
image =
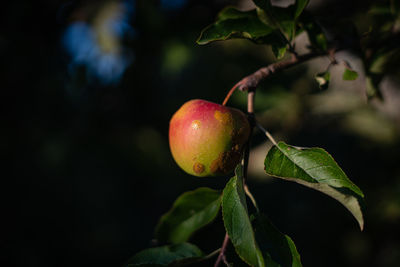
{"points": [[251, 81]]}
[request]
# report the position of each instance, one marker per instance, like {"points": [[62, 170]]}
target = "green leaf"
{"points": [[323, 79], [279, 51], [299, 7], [191, 211], [232, 23], [349, 74], [279, 19], [264, 5], [291, 12], [316, 36], [372, 86], [178, 254], [279, 45], [383, 62], [315, 168], [237, 222], [278, 249]]}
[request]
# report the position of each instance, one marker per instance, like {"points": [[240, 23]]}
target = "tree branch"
{"points": [[270, 137], [251, 81]]}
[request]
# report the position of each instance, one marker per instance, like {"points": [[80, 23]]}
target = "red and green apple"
{"points": [[207, 139]]}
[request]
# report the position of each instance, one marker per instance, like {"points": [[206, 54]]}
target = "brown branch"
{"points": [[251, 81]]}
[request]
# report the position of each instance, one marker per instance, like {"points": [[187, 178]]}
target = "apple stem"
{"points": [[230, 94]]}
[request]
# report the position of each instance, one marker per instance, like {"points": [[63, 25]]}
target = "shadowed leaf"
{"points": [[191, 211], [278, 249], [178, 255], [300, 5], [316, 36], [372, 86]]}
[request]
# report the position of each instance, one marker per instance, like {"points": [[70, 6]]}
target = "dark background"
{"points": [[88, 88]]}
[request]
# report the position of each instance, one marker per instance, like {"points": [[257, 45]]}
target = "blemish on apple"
{"points": [[198, 168], [223, 118]]}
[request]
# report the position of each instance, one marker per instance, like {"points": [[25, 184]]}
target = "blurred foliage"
{"points": [[90, 168]]}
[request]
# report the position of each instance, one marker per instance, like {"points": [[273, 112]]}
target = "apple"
{"points": [[207, 139]]}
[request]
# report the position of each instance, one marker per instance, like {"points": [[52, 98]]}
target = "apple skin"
{"points": [[207, 139]]}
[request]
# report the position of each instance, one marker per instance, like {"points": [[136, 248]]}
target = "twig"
{"points": [[250, 117], [250, 106], [253, 122], [225, 260], [251, 81], [212, 254], [221, 256], [250, 195], [270, 137]]}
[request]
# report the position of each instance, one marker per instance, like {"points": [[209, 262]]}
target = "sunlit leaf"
{"points": [[278, 249], [315, 168], [232, 23], [179, 255], [237, 221], [191, 211], [349, 74]]}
